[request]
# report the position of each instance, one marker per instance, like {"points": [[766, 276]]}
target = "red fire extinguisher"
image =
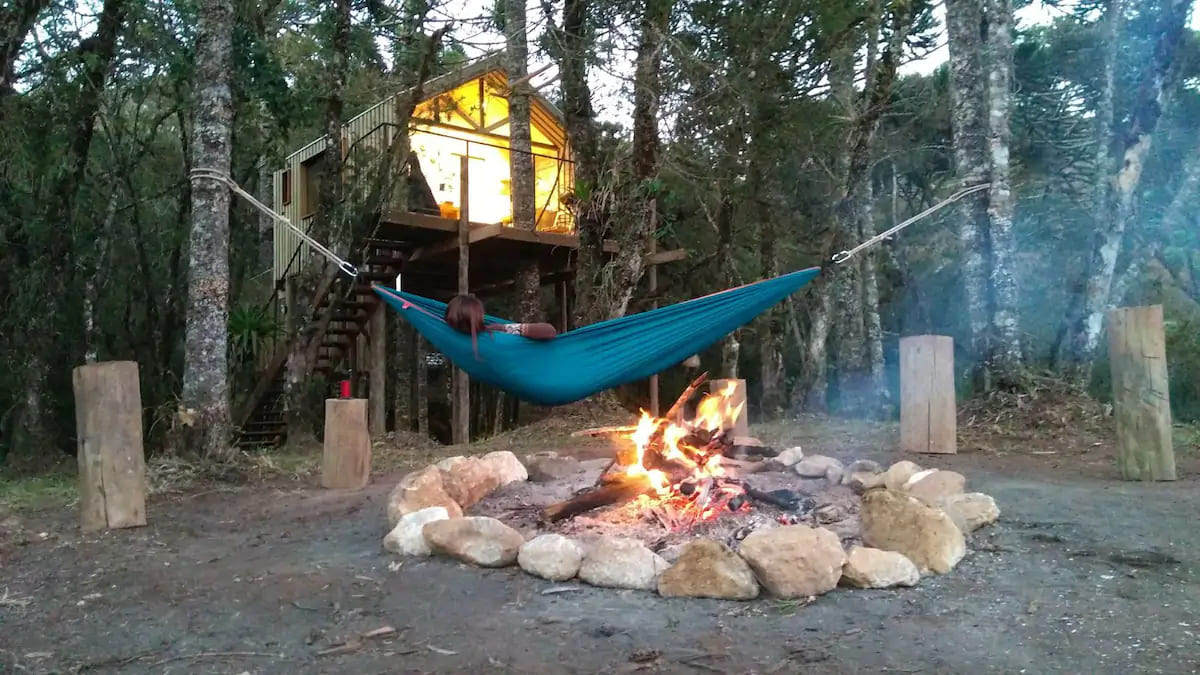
{"points": [[345, 388]]}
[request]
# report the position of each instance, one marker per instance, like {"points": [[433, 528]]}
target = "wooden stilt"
{"points": [[112, 465], [377, 389], [347, 454], [1141, 396], [461, 427], [927, 405], [653, 288]]}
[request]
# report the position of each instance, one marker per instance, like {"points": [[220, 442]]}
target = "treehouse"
{"points": [[451, 230]]}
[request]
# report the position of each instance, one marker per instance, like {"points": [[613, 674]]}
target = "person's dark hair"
{"points": [[464, 313]]}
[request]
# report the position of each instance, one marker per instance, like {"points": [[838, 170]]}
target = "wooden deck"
{"points": [[425, 248]]}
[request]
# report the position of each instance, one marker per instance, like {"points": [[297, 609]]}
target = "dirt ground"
{"points": [[1082, 573]]}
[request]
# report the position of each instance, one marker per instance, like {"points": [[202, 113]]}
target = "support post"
{"points": [[927, 401], [653, 288], [112, 462], [346, 462], [1141, 398], [741, 425], [377, 388], [461, 408]]}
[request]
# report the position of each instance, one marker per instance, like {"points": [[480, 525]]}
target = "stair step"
{"points": [[344, 331], [377, 276], [387, 244], [390, 261]]}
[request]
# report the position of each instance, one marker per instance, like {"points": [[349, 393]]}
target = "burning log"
{"points": [[628, 456], [621, 489]]}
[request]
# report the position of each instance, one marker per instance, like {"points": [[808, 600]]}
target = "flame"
{"points": [[696, 497]]}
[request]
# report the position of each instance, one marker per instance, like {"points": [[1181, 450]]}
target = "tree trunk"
{"points": [[969, 125], [1004, 360], [205, 375], [576, 48], [1083, 336], [16, 22], [860, 381], [770, 334], [521, 160]]}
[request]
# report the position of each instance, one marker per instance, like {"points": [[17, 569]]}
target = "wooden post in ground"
{"points": [[1141, 400], [377, 388], [112, 463], [741, 425], [346, 462], [927, 402], [461, 407]]}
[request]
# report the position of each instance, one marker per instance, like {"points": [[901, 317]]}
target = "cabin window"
{"points": [[287, 187]]}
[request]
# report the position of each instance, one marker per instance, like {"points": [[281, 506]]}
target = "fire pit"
{"points": [[687, 509]]}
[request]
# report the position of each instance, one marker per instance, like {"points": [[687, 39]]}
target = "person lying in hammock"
{"points": [[464, 313]]}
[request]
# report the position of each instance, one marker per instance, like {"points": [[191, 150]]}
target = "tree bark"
{"points": [[622, 274], [521, 161], [1134, 141], [16, 22], [854, 287], [205, 383], [576, 47], [1004, 360], [969, 129]]}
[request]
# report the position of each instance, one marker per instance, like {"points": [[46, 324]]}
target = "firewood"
{"points": [[674, 410], [616, 492]]}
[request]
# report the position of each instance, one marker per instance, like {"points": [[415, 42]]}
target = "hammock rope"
{"points": [[223, 178], [842, 256]]}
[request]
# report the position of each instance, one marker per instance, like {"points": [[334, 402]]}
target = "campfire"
{"points": [[682, 471]]}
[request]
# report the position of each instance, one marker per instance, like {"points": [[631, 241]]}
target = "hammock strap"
{"points": [[843, 256], [213, 174]]}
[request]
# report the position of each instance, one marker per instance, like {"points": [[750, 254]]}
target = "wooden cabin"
{"points": [[463, 113], [454, 233]]}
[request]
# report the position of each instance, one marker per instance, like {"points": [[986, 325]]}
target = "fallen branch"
{"points": [[215, 655], [618, 491]]}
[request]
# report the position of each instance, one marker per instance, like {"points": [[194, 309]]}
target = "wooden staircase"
{"points": [[341, 311]]}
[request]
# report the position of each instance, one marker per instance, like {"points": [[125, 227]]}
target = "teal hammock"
{"points": [[587, 360]]}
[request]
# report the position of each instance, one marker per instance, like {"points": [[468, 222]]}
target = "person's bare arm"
{"points": [[538, 331]]}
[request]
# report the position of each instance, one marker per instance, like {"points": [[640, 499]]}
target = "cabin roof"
{"points": [[492, 64]]}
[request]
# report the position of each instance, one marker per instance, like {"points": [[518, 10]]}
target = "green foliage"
{"points": [[252, 334], [1183, 368], [35, 492]]}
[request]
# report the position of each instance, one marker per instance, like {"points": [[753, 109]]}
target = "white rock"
{"points": [[817, 466], [790, 456], [406, 538], [876, 568], [899, 473], [551, 556], [794, 561], [419, 490], [936, 485], [894, 521], [507, 468], [478, 540], [970, 511], [616, 562]]}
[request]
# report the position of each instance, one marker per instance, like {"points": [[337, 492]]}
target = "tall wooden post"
{"points": [[653, 288], [112, 465], [927, 405], [461, 408], [1141, 399], [377, 388]]}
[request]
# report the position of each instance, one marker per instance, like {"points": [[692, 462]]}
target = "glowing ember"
{"points": [[683, 462]]}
